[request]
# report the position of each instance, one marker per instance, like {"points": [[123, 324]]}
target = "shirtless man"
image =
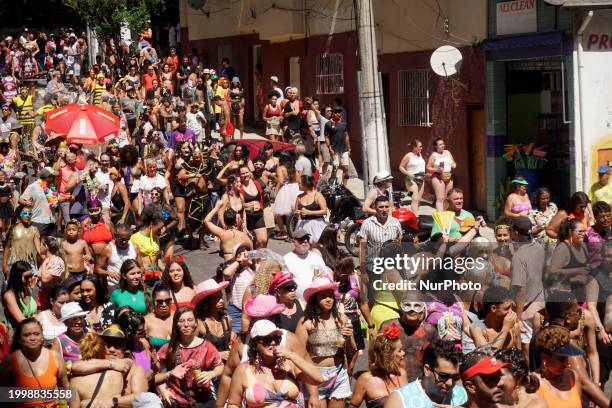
{"points": [[109, 262], [230, 237], [76, 250], [110, 395]]}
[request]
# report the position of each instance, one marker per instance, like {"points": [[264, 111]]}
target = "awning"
{"points": [[580, 3], [538, 45]]}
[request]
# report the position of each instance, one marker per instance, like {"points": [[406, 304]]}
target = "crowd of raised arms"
{"points": [[98, 297]]}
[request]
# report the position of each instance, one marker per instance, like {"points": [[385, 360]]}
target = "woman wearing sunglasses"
{"points": [[284, 287], [330, 341], [273, 374], [23, 241], [158, 323]]}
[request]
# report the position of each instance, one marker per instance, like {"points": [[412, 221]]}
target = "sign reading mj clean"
{"points": [[518, 16]]}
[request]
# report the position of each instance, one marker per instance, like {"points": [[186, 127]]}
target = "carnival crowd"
{"points": [[96, 297]]}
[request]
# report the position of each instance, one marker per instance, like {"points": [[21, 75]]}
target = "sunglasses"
{"points": [[118, 344], [155, 195], [444, 377], [266, 341], [302, 240], [26, 213], [289, 287], [416, 307], [160, 302]]}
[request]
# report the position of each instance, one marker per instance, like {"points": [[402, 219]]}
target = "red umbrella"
{"points": [[85, 124]]}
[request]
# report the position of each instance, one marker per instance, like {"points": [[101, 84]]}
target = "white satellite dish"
{"points": [[446, 60]]}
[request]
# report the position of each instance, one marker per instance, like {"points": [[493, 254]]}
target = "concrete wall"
{"points": [[402, 25]]}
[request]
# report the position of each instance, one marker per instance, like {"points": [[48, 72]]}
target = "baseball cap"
{"points": [[489, 365], [206, 71], [522, 225], [603, 169], [301, 233], [263, 328], [274, 78]]}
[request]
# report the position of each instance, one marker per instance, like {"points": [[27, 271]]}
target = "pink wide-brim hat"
{"points": [[263, 306], [207, 288], [320, 284]]}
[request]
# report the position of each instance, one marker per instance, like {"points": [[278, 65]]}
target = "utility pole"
{"points": [[376, 149]]}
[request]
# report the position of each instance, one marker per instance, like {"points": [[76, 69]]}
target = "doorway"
{"points": [[294, 72], [258, 94]]}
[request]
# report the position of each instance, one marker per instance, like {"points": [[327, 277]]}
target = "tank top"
{"points": [[416, 164], [222, 343], [273, 111], [289, 323], [444, 160], [379, 193], [573, 401], [50, 330], [70, 348], [118, 256], [47, 381], [314, 206]]}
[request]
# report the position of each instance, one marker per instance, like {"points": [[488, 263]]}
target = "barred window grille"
{"points": [[413, 94], [330, 74]]}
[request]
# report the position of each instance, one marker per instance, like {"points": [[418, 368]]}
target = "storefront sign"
{"points": [[599, 41], [518, 16]]}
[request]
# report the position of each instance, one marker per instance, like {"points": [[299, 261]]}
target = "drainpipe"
{"points": [[583, 154]]}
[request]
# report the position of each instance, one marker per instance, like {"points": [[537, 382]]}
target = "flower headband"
{"points": [[501, 227], [391, 332], [175, 259]]}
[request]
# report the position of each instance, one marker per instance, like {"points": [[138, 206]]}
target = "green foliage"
{"points": [[106, 17]]}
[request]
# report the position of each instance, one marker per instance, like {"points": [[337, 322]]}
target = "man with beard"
{"points": [[482, 378], [108, 263], [438, 384], [415, 334]]}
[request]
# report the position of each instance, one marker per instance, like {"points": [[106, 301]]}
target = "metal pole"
{"points": [[370, 94]]}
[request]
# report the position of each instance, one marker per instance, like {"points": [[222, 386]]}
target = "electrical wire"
{"points": [[435, 37]]}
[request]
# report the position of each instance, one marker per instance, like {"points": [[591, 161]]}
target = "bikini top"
{"points": [[520, 207], [257, 395], [314, 206], [97, 233], [325, 342]]}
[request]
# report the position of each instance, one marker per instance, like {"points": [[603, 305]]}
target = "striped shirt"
{"points": [[96, 93], [23, 109], [377, 234]]}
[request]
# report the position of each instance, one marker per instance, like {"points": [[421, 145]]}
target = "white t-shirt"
{"points": [[303, 164], [105, 196], [303, 269], [194, 122], [146, 184]]}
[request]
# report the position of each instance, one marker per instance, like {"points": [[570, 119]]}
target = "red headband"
{"points": [[489, 365], [177, 259]]}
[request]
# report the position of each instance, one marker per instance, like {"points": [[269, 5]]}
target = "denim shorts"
{"points": [[337, 383]]}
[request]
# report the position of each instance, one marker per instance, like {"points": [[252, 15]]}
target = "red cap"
{"points": [[489, 365], [280, 279]]}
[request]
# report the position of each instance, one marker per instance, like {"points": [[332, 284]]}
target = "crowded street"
{"points": [[293, 204]]}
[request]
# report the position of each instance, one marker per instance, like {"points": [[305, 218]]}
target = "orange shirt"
{"points": [[147, 80], [173, 62]]}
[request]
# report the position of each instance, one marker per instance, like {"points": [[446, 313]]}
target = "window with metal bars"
{"points": [[330, 74], [413, 98]]}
